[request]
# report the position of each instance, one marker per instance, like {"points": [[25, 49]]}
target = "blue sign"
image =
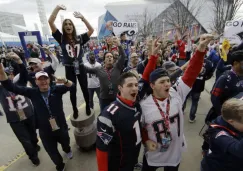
{"points": [[24, 45]]}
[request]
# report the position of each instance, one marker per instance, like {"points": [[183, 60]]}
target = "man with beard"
{"points": [[133, 63], [100, 57], [93, 80]]}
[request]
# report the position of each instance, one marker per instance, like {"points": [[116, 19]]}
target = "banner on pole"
{"points": [[233, 31]]}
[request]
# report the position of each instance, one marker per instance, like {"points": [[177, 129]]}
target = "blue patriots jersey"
{"points": [[119, 134], [227, 86], [226, 148], [119, 131], [69, 52]]}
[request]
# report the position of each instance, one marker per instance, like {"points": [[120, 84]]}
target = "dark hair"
{"points": [[235, 56], [143, 57], [123, 76], [106, 54], [74, 33], [122, 34]]}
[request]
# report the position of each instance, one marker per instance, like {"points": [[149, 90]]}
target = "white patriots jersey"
{"points": [[153, 122]]}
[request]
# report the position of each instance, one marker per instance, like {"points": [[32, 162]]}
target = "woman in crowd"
{"points": [[71, 45]]}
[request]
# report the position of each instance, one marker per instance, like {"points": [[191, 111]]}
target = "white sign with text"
{"points": [[130, 28], [233, 31]]}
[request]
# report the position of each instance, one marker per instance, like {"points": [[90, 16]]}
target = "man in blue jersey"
{"points": [[20, 114]]}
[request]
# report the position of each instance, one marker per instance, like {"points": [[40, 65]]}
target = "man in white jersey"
{"points": [[163, 116], [93, 80]]}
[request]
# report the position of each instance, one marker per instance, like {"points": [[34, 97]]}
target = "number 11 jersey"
{"points": [[118, 133]]}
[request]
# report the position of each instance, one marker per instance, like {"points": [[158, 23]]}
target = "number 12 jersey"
{"points": [[11, 103]]}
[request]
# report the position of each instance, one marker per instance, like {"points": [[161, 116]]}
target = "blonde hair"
{"points": [[233, 109]]}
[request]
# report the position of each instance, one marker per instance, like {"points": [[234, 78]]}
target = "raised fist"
{"points": [[61, 7], [204, 41]]}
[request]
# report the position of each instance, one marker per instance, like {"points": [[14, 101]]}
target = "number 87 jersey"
{"points": [[119, 136], [11, 103]]}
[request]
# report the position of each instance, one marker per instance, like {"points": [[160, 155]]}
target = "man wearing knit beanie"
{"points": [[163, 116]]}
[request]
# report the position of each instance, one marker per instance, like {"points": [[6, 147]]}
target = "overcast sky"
{"points": [[91, 9]]}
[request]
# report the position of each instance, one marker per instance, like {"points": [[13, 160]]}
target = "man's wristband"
{"points": [[66, 82]]}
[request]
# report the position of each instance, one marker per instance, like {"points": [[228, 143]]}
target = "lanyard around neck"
{"points": [[165, 116], [46, 100]]}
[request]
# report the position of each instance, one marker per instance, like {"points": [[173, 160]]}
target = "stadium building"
{"points": [[10, 22], [141, 10]]}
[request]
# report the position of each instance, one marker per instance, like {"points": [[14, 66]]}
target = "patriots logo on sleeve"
{"points": [[221, 133], [106, 138]]}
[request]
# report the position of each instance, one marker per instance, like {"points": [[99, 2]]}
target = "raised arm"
{"points": [[196, 62], [152, 61], [53, 16], [91, 70], [8, 85], [54, 59], [122, 58], [22, 77], [89, 27]]}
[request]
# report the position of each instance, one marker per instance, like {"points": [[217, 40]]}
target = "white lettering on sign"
{"points": [[28, 33]]}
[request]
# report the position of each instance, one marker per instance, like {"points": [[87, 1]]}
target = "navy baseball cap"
{"points": [[158, 73]]}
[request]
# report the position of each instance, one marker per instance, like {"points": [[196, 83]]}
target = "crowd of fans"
{"points": [[142, 87]]}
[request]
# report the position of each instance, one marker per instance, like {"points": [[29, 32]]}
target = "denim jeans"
{"points": [[91, 96], [195, 99]]}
